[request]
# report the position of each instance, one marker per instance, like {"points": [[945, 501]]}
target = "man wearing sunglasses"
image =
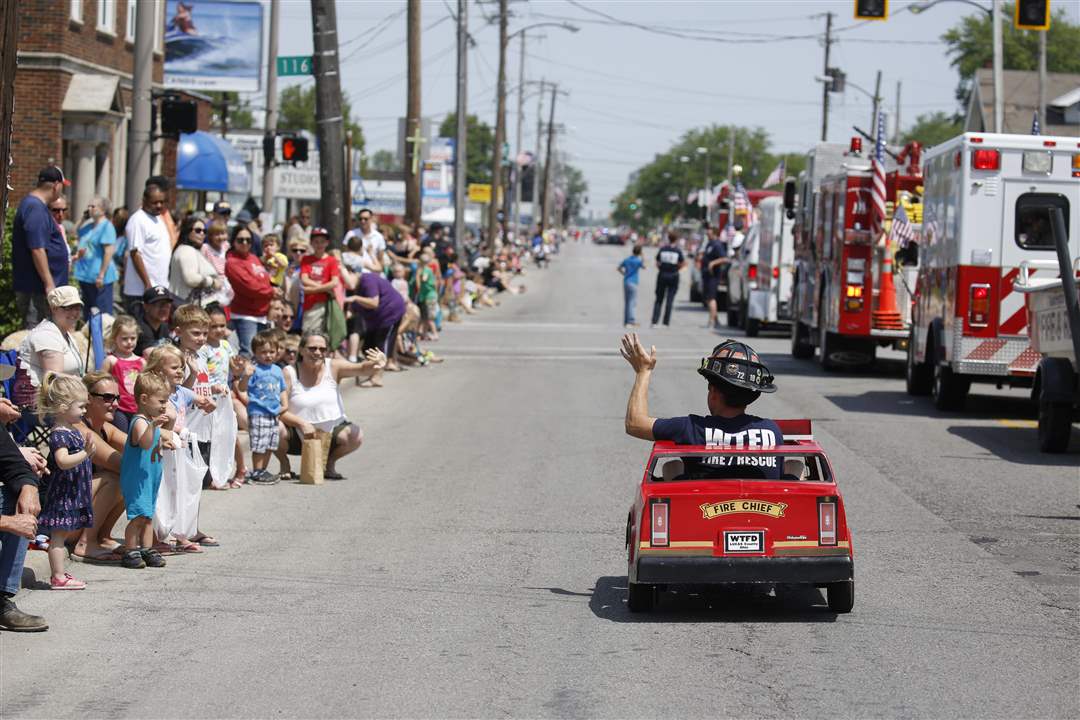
{"points": [[39, 254]]}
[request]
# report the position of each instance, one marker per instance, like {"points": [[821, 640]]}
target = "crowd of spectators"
{"points": [[166, 354]]}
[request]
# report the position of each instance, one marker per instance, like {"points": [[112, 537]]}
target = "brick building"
{"points": [[73, 91]]}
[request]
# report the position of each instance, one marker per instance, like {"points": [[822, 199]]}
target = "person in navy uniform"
{"points": [[669, 262], [736, 377]]}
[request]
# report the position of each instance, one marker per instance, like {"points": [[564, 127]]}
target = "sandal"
{"points": [[165, 548], [101, 557], [206, 540], [181, 547], [333, 475], [153, 558], [66, 583]]}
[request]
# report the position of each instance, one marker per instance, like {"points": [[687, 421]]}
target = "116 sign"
{"points": [[295, 65]]}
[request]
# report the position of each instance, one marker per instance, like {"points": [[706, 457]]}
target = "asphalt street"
{"points": [[472, 563]]}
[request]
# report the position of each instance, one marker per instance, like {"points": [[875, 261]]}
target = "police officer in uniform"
{"points": [[669, 261], [736, 377]]}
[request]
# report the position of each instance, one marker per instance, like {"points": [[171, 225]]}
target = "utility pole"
{"points": [[328, 120], [826, 86], [138, 165], [999, 100], [517, 145], [9, 42], [877, 105], [460, 149], [1042, 76], [412, 118], [500, 132], [898, 135], [271, 110], [537, 220], [546, 206]]}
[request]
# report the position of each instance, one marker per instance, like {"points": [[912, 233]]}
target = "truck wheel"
{"points": [[641, 598], [695, 293], [826, 348], [918, 374], [800, 341], [949, 390], [721, 300], [732, 315], [841, 596], [1055, 426]]}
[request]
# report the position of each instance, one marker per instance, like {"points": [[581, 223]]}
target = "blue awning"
{"points": [[208, 162]]}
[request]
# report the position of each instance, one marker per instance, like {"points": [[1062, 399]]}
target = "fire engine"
{"points": [[846, 300], [986, 203]]}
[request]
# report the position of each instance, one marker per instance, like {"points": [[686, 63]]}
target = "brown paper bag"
{"points": [[313, 454]]}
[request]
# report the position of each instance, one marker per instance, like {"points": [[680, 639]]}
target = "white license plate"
{"points": [[744, 541]]}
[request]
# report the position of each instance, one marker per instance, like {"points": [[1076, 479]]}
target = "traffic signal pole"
{"points": [[271, 111], [328, 120], [138, 162], [412, 154]]}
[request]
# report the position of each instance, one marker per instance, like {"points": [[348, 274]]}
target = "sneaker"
{"points": [[66, 583], [262, 477], [133, 559], [13, 619], [152, 558]]}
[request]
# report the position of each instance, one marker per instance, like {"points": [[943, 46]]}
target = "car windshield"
{"points": [[794, 467]]}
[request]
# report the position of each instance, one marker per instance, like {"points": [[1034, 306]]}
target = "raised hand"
{"points": [[376, 356], [635, 353]]}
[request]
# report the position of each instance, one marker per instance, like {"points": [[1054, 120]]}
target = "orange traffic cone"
{"points": [[887, 315]]}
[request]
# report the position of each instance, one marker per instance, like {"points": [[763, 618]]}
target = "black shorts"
{"points": [[384, 339], [355, 323], [709, 284], [296, 442]]}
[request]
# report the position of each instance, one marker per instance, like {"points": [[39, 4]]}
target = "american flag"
{"points": [[902, 231], [742, 204], [776, 176], [1035, 129], [877, 169]]}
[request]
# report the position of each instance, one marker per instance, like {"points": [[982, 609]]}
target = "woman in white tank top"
{"points": [[315, 399]]}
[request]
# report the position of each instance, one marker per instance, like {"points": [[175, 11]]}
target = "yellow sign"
{"points": [[761, 507], [479, 192]]}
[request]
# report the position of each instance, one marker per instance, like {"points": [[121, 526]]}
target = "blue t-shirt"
{"points": [[713, 251], [631, 266], [745, 431], [94, 238], [264, 390], [35, 229]]}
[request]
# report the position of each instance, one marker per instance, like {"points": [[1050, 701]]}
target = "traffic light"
{"points": [[178, 116], [839, 78], [1032, 15], [294, 149], [871, 9]]}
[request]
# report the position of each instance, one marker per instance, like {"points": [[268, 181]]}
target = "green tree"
{"points": [[296, 111], [479, 140], [934, 128], [228, 107], [970, 45], [573, 183], [659, 188], [383, 161], [9, 317]]}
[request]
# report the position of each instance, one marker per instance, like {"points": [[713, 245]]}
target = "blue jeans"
{"points": [[93, 298], [245, 331], [12, 550], [629, 302]]}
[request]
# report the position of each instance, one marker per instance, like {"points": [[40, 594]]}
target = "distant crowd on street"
{"points": [[165, 353]]}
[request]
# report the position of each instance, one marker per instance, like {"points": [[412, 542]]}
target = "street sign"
{"points": [[295, 65], [479, 192]]}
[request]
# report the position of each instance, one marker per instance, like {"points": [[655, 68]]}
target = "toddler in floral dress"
{"points": [[67, 507]]}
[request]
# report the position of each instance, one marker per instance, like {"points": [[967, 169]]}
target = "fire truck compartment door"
{"points": [[1012, 254]]}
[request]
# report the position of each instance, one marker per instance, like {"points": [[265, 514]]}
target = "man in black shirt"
{"points": [[713, 263], [154, 325], [669, 262], [18, 523]]}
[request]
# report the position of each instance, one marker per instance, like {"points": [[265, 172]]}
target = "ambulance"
{"points": [[985, 213]]}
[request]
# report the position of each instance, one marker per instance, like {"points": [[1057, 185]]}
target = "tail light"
{"points": [[1076, 165], [659, 535], [826, 511], [752, 272], [979, 305], [983, 159], [775, 273]]}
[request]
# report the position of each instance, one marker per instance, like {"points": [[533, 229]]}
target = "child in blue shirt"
{"points": [[268, 397], [630, 267]]}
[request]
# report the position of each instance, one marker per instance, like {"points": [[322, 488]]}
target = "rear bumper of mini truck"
{"points": [[696, 570]]}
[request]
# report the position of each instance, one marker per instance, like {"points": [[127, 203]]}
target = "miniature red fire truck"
{"points": [[705, 515], [845, 299], [985, 213]]}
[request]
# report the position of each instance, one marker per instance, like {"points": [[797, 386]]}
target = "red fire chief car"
{"points": [[709, 516]]}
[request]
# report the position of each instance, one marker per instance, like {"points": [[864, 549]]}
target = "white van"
{"points": [[768, 269]]}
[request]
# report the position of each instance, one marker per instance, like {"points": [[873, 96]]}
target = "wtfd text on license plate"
{"points": [[744, 541]]}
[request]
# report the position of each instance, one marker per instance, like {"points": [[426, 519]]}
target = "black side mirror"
{"points": [[789, 197]]}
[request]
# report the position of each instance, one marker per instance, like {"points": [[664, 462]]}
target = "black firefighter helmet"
{"points": [[737, 371]]}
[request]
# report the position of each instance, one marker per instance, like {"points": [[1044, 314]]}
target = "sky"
{"points": [[637, 82]]}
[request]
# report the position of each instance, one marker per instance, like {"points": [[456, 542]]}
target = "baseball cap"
{"points": [[243, 217], [222, 207], [317, 230], [52, 174], [154, 294], [64, 296]]}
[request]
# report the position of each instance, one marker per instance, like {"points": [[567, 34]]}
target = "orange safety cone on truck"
{"points": [[887, 315]]}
